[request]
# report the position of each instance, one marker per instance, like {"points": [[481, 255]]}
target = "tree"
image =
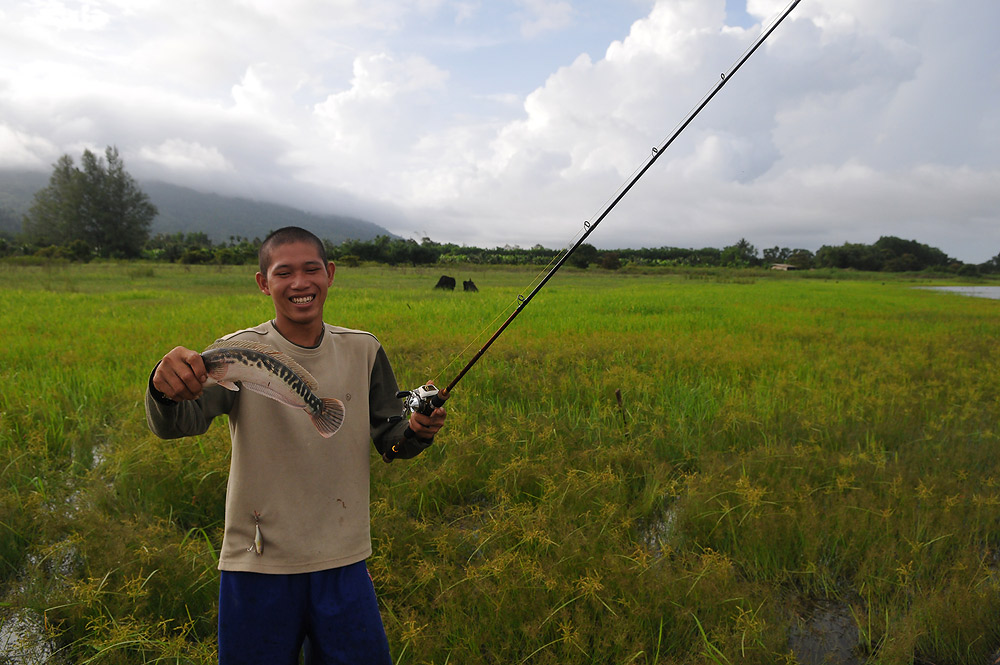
{"points": [[52, 218], [801, 259], [856, 256], [126, 212], [907, 255], [992, 266], [610, 260], [889, 253], [100, 204], [777, 255], [584, 255], [742, 254]]}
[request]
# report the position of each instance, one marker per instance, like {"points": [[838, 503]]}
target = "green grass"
{"points": [[783, 439]]}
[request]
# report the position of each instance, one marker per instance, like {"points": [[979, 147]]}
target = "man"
{"points": [[297, 527]]}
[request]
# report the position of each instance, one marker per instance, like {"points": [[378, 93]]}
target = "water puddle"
{"points": [[992, 292], [23, 640]]}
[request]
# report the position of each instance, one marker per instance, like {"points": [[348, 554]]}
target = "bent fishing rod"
{"points": [[428, 397]]}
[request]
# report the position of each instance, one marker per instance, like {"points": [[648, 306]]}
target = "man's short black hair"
{"points": [[283, 236]]}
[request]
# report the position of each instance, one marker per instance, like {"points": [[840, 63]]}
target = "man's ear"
{"points": [[262, 284], [330, 269]]}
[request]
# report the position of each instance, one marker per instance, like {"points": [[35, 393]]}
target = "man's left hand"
{"points": [[425, 427]]}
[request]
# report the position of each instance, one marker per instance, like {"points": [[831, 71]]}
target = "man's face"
{"points": [[297, 281]]}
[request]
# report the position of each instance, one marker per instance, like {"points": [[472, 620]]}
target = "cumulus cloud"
{"points": [[359, 131], [833, 133], [857, 119]]}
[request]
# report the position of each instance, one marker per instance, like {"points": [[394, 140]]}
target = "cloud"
{"points": [[833, 129], [359, 131], [52, 16], [541, 16], [855, 118], [464, 11], [181, 155], [19, 150]]}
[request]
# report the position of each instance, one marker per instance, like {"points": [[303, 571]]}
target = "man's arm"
{"points": [[387, 427], [177, 404]]}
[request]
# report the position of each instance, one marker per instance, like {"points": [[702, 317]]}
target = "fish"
{"points": [[266, 371]]}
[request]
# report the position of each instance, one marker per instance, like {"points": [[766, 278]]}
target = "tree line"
{"points": [[97, 210]]}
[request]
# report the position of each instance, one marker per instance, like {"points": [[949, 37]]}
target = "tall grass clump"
{"points": [[781, 443]]}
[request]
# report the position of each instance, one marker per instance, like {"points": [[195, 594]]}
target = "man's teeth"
{"points": [[301, 300]]}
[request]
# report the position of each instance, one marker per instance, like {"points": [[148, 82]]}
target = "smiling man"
{"points": [[297, 529]]}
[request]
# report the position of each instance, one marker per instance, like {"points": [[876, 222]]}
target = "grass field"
{"points": [[800, 466]]}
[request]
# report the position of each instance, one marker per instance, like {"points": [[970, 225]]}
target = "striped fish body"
{"points": [[266, 371]]}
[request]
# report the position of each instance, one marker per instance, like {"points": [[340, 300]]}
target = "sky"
{"points": [[513, 122]]}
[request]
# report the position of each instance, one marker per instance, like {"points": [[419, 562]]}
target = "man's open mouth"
{"points": [[302, 300]]}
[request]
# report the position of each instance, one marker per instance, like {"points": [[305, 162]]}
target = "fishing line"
{"points": [[426, 398], [609, 203], [504, 311]]}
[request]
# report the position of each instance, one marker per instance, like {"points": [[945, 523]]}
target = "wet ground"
{"points": [[825, 633], [22, 639]]}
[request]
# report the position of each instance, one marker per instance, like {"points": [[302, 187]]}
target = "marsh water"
{"points": [[976, 291]]}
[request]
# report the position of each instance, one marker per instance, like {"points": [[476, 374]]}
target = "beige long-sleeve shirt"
{"points": [[311, 493]]}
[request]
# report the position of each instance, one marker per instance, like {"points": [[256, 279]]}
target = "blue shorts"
{"points": [[265, 619]]}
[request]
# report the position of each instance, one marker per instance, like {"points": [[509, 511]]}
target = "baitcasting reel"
{"points": [[420, 400]]}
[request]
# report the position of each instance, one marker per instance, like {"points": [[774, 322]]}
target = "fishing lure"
{"points": [[258, 541]]}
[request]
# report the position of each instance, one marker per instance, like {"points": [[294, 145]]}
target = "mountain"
{"points": [[17, 189], [186, 210]]}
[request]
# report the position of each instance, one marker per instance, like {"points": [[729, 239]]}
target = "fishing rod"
{"points": [[428, 397]]}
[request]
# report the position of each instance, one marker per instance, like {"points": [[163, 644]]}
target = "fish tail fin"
{"points": [[330, 417]]}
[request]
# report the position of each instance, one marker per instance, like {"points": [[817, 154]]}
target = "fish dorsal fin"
{"points": [[284, 358]]}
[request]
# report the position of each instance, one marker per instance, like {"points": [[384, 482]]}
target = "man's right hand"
{"points": [[181, 374]]}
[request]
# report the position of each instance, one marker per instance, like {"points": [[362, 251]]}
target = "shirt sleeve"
{"points": [[387, 423], [168, 419]]}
